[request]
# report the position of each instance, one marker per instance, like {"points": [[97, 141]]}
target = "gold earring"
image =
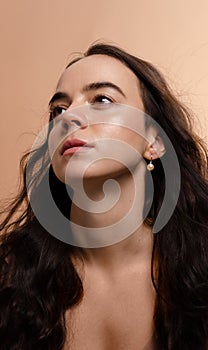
{"points": [[150, 166]]}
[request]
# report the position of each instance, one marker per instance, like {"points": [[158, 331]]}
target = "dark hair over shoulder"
{"points": [[38, 281]]}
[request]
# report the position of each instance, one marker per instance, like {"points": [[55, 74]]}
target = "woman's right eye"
{"points": [[57, 111]]}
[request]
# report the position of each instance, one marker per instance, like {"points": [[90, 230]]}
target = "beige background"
{"points": [[37, 38]]}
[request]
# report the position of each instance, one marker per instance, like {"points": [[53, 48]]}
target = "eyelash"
{"points": [[97, 97], [56, 111]]}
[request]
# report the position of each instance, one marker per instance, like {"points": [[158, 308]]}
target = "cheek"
{"points": [[126, 138], [55, 139], [118, 148], [137, 142], [53, 142]]}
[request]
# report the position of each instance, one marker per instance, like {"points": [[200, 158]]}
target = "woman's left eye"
{"points": [[102, 99]]}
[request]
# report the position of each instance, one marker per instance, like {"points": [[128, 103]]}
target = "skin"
{"points": [[118, 304]]}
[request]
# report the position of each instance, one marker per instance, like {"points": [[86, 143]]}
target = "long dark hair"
{"points": [[38, 280]]}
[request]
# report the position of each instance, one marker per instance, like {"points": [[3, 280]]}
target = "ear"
{"points": [[155, 147]]}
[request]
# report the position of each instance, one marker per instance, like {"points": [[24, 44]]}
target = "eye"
{"points": [[101, 102], [102, 99], [57, 111]]}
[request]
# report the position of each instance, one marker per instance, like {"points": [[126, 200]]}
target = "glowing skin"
{"points": [[105, 81], [127, 264], [74, 83]]}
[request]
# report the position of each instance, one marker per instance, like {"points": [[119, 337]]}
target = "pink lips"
{"points": [[74, 145]]}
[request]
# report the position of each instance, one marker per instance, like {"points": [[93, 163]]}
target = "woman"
{"points": [[146, 290]]}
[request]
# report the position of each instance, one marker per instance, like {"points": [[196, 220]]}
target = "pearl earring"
{"points": [[150, 166]]}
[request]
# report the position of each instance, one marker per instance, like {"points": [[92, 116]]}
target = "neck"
{"points": [[116, 244]]}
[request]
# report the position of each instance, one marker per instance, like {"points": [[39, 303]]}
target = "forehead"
{"points": [[98, 68]]}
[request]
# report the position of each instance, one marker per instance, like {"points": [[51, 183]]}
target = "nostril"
{"points": [[65, 126], [76, 122]]}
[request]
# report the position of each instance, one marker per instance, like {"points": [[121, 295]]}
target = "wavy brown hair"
{"points": [[38, 281]]}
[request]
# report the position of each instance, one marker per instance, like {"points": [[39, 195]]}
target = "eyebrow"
{"points": [[59, 96], [89, 87], [103, 84]]}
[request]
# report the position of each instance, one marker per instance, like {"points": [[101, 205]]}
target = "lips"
{"points": [[74, 145]]}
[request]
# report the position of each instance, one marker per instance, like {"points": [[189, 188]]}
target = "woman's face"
{"points": [[95, 83]]}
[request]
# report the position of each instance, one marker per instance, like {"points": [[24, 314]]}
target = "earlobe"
{"points": [[155, 149]]}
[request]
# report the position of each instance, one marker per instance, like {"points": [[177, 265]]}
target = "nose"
{"points": [[74, 119]]}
